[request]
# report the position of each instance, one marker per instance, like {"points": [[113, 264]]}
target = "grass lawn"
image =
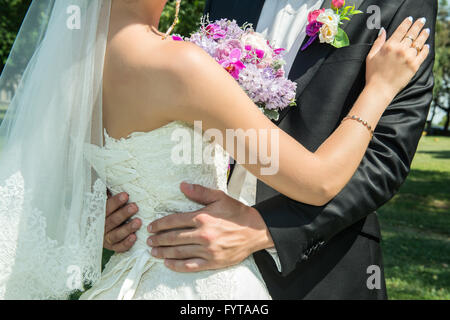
{"points": [[416, 227]]}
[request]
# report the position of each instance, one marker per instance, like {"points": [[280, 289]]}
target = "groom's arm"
{"points": [[298, 229]]}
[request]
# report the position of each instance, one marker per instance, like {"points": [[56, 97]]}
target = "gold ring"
{"points": [[410, 38]]}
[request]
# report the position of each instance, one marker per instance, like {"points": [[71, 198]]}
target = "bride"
{"points": [[98, 99]]}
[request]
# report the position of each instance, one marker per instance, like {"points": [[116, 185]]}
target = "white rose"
{"points": [[330, 26], [327, 33], [256, 40], [330, 18]]}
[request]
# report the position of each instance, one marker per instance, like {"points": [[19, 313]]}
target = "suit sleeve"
{"points": [[299, 229]]}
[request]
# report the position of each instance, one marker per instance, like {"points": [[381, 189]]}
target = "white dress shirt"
{"points": [[283, 23]]}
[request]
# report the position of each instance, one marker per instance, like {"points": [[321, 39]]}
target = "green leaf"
{"points": [[345, 10], [271, 114], [353, 12], [341, 40]]}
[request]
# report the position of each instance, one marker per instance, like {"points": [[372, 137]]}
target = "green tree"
{"points": [[190, 13], [12, 13]]}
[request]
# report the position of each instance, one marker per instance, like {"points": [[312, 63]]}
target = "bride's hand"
{"points": [[393, 63]]}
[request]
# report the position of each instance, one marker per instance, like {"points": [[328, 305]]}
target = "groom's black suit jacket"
{"points": [[325, 251]]}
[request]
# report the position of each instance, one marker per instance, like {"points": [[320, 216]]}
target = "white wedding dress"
{"points": [[142, 165]]}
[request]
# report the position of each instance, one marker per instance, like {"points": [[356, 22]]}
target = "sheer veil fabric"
{"points": [[52, 203]]}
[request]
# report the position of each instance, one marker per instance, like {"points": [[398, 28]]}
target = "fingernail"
{"points": [[149, 228], [410, 19], [423, 20], [427, 30], [135, 225], [154, 252], [381, 31], [122, 198], [131, 209], [149, 242], [428, 46], [132, 239], [189, 186]]}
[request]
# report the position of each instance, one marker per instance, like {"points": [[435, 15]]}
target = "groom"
{"points": [[329, 252]]}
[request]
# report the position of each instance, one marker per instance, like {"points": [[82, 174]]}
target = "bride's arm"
{"points": [[206, 92]]}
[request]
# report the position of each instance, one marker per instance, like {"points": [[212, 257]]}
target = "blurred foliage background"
{"points": [[190, 13], [12, 13], [416, 223], [441, 100]]}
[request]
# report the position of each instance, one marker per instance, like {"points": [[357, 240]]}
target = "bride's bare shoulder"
{"points": [[139, 59], [141, 51]]}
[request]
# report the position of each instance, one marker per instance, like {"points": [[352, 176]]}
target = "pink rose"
{"points": [[312, 16], [337, 4]]}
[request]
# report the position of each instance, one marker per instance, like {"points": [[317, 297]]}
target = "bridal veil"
{"points": [[52, 204]]}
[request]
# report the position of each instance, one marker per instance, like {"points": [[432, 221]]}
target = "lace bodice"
{"points": [[147, 166]]}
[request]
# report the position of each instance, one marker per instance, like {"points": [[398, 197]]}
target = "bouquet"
{"points": [[251, 60]]}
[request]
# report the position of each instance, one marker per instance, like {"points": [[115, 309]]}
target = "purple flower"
{"points": [[224, 48], [313, 28], [279, 51], [177, 38], [254, 55], [280, 73], [268, 73], [215, 31], [232, 29], [233, 63]]}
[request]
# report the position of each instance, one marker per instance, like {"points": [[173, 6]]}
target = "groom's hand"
{"points": [[119, 230], [222, 234]]}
